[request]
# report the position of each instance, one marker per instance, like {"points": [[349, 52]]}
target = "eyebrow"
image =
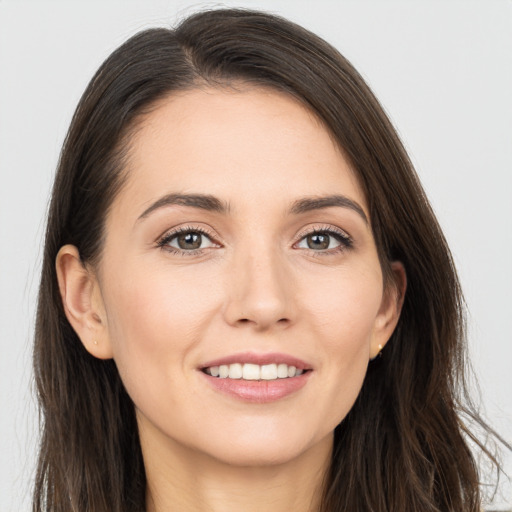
{"points": [[213, 204], [308, 204], [202, 201]]}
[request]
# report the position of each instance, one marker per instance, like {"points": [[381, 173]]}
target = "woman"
{"points": [[246, 301]]}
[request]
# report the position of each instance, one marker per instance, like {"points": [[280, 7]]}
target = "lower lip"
{"points": [[258, 391]]}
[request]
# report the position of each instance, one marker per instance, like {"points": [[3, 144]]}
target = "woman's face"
{"points": [[240, 246]]}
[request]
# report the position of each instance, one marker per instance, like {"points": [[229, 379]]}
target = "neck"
{"points": [[182, 479]]}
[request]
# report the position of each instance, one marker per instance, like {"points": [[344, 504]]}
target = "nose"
{"points": [[260, 293]]}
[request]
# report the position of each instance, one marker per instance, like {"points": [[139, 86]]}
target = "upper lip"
{"points": [[259, 359]]}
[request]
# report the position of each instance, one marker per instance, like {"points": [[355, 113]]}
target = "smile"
{"points": [[250, 371], [257, 378]]}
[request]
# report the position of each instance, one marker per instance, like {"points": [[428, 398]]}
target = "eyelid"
{"points": [[323, 228]]}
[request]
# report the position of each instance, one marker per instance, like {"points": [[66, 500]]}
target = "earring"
{"points": [[379, 353], [95, 342]]}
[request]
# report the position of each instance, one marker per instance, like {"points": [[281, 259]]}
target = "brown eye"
{"points": [[326, 241], [318, 241], [322, 241], [189, 241]]}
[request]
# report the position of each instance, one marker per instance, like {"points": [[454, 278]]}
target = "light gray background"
{"points": [[442, 70]]}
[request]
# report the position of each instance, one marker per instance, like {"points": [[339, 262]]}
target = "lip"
{"points": [[258, 391], [261, 391], [259, 359]]}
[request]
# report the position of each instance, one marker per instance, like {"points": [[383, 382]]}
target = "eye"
{"points": [[325, 240], [318, 242], [186, 240]]}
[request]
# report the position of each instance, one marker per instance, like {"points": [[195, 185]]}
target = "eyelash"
{"points": [[346, 242], [343, 238], [163, 243]]}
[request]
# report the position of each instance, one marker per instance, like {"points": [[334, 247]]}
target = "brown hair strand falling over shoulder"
{"points": [[403, 446]]}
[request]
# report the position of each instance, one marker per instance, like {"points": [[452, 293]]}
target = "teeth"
{"points": [[250, 371], [282, 371], [269, 372], [235, 371]]}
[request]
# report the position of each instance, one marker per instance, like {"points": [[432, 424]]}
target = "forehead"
{"points": [[239, 144]]}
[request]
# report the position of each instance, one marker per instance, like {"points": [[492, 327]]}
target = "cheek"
{"points": [[345, 305], [343, 316], [154, 322], [153, 304]]}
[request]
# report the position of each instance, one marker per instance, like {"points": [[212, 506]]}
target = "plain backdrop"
{"points": [[442, 70]]}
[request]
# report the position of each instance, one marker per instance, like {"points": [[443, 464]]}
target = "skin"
{"points": [[255, 286]]}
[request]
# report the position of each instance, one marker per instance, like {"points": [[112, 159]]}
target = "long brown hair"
{"points": [[403, 446]]}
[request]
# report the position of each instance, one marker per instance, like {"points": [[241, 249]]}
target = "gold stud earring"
{"points": [[379, 353]]}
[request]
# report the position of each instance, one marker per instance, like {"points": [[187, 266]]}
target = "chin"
{"points": [[261, 451]]}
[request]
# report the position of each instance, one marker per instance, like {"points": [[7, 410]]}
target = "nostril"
{"points": [[247, 321]]}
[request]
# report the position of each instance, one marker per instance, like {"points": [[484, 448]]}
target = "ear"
{"points": [[390, 309], [82, 301]]}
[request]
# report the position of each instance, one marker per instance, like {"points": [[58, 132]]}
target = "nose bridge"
{"points": [[260, 287]]}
